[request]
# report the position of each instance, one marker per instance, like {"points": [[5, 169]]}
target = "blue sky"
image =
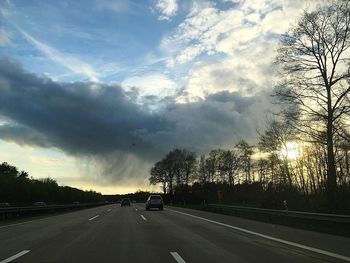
{"points": [[162, 73]]}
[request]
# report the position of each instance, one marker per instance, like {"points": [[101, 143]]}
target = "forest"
{"points": [[17, 188], [302, 155]]}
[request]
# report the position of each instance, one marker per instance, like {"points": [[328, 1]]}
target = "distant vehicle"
{"points": [[39, 204], [4, 204], [125, 202], [154, 201], [76, 203]]}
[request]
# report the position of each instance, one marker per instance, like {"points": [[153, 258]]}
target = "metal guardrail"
{"points": [[329, 223], [290, 213], [10, 212]]}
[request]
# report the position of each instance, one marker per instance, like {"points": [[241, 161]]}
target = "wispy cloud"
{"points": [[166, 8], [73, 64]]}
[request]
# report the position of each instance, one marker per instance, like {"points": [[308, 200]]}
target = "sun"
{"points": [[290, 150]]}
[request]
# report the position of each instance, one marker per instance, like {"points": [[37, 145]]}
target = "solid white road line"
{"points": [[144, 218], [177, 257], [92, 218], [316, 250], [15, 256]]}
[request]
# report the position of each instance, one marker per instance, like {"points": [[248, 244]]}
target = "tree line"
{"points": [[17, 188], [314, 97]]}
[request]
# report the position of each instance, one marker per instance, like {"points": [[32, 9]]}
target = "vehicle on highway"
{"points": [[125, 202], [39, 204], [154, 201]]}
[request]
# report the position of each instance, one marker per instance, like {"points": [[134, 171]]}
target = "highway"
{"points": [[130, 234]]}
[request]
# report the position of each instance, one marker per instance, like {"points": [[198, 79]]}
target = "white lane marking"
{"points": [[144, 218], [177, 257], [136, 209], [109, 210], [34, 220], [15, 256], [316, 250], [92, 218]]}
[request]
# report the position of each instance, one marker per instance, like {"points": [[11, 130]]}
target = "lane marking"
{"points": [[92, 218], [136, 209], [15, 256], [109, 210], [316, 250], [177, 257], [37, 220], [144, 218]]}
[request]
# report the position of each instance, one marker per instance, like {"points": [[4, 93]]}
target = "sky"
{"points": [[92, 94]]}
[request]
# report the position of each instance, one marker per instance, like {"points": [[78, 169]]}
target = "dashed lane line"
{"points": [[20, 254], [177, 257], [92, 218]]}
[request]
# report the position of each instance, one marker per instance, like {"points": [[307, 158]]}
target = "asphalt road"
{"points": [[131, 234]]}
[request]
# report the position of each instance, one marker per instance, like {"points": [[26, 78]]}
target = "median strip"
{"points": [[177, 257], [92, 218], [20, 254], [316, 250], [144, 218]]}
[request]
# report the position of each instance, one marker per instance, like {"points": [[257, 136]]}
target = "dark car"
{"points": [[125, 202], [39, 204], [154, 201]]}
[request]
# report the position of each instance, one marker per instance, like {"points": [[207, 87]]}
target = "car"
{"points": [[39, 203], [154, 201], [125, 202]]}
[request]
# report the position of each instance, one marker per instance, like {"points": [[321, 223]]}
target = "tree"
{"points": [[275, 138], [245, 152], [189, 166], [159, 174], [229, 162], [314, 57]]}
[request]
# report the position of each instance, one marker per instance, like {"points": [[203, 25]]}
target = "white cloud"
{"points": [[154, 84], [236, 46], [167, 8], [68, 61]]}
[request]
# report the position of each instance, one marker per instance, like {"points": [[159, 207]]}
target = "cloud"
{"points": [[229, 49], [106, 126], [67, 61], [152, 84], [166, 8]]}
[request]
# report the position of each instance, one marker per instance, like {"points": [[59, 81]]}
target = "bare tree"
{"points": [[229, 163], [159, 174], [314, 57], [245, 152], [274, 139]]}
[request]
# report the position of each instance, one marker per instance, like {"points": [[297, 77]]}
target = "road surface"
{"points": [[130, 234]]}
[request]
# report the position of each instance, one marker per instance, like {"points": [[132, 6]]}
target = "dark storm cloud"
{"points": [[79, 118], [86, 119]]}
